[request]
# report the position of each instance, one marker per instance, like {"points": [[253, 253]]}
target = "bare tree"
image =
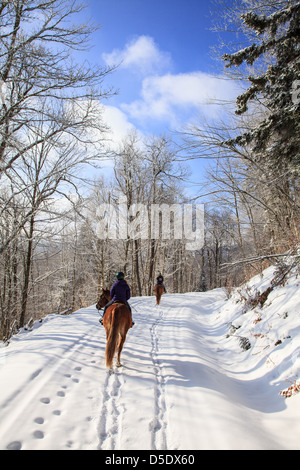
{"points": [[38, 78], [50, 126]]}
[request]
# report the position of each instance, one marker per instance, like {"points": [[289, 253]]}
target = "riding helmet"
{"points": [[120, 276]]}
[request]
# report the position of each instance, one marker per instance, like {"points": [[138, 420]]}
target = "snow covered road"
{"points": [[179, 387]]}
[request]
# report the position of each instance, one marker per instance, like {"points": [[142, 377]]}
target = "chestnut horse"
{"points": [[159, 290], [117, 321]]}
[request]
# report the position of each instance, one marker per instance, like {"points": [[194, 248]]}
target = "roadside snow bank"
{"points": [[268, 318]]}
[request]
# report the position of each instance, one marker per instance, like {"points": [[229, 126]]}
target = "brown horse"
{"points": [[117, 321], [159, 290]]}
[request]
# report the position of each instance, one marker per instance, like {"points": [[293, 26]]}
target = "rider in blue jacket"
{"points": [[119, 291]]}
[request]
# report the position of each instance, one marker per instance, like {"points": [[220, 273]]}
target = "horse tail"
{"points": [[111, 345]]}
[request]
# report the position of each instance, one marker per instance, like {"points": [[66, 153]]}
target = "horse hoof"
{"points": [[119, 364]]}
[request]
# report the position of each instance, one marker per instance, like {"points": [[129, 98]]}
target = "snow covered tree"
{"points": [[38, 76], [277, 136], [50, 127]]}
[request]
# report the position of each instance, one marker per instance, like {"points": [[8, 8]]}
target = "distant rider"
{"points": [[160, 280]]}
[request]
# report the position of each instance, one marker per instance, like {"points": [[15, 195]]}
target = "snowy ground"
{"points": [[185, 384]]}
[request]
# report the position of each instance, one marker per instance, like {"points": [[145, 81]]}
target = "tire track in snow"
{"points": [[158, 425], [110, 424]]}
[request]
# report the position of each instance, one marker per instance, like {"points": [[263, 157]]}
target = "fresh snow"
{"points": [[185, 383]]}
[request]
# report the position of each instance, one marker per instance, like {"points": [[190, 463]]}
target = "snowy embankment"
{"points": [[185, 383]]}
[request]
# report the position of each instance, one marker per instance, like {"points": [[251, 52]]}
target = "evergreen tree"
{"points": [[277, 136]]}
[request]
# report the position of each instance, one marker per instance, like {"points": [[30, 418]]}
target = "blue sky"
{"points": [[177, 26], [167, 77], [166, 72]]}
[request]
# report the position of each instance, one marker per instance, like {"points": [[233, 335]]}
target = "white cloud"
{"points": [[162, 97], [141, 54], [119, 127], [118, 123]]}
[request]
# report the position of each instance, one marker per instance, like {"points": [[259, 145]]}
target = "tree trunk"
{"points": [[27, 273]]}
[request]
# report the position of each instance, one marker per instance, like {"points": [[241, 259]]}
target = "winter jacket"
{"points": [[120, 291]]}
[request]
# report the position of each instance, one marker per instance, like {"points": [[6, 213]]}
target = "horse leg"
{"points": [[119, 349]]}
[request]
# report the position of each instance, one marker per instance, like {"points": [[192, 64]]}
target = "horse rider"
{"points": [[120, 291], [160, 281]]}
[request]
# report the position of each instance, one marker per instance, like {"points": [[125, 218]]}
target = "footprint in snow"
{"points": [[15, 445], [39, 420], [45, 400]]}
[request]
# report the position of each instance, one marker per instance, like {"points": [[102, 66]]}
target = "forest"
{"points": [[52, 259]]}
